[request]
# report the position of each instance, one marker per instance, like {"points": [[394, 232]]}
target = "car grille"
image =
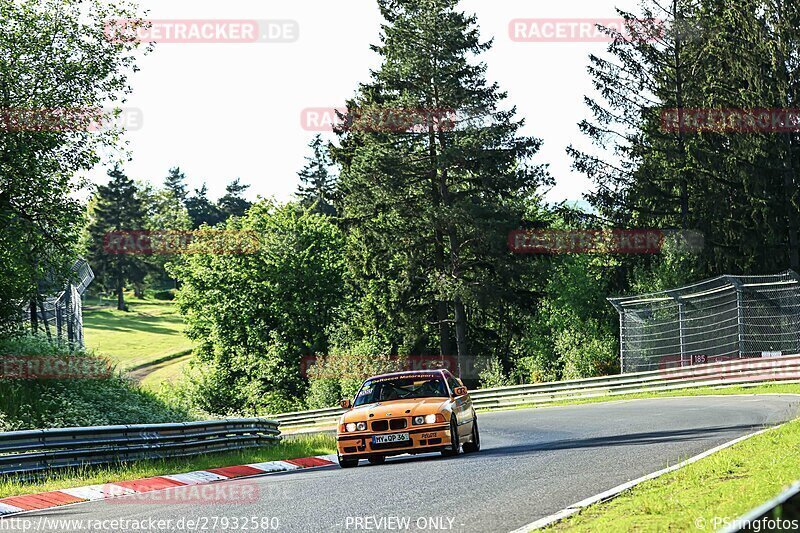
{"points": [[398, 423], [394, 423]]}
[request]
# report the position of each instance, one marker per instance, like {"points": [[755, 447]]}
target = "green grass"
{"points": [[149, 330], [290, 448], [726, 484], [165, 372]]}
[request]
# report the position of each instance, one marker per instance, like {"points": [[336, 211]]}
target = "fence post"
{"points": [[70, 317], [681, 331], [739, 312], [793, 275], [621, 310]]}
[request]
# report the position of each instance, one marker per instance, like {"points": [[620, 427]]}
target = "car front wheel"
{"points": [[455, 445], [347, 463], [475, 444]]}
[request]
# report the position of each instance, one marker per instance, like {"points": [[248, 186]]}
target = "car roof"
{"points": [[410, 373]]}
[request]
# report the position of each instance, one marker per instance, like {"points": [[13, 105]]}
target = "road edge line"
{"points": [[613, 492]]}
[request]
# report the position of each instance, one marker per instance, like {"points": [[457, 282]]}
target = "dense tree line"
{"points": [[53, 56], [125, 206], [395, 244]]}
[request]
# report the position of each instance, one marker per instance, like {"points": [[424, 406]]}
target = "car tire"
{"points": [[475, 444], [377, 460], [455, 445], [348, 463]]}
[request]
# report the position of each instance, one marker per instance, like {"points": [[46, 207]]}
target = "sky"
{"points": [[224, 110]]}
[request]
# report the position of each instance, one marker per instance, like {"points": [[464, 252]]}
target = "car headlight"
{"points": [[430, 419], [350, 427], [361, 426], [418, 420]]}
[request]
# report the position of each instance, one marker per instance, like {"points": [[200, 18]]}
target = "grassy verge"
{"points": [[699, 496], [97, 401], [163, 372], [769, 388], [151, 329], [290, 448]]}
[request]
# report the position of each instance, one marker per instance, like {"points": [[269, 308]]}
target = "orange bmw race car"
{"points": [[407, 412]]}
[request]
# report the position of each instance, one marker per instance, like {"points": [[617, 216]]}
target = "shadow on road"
{"points": [[650, 437]]}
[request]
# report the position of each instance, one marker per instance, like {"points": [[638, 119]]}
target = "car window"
{"points": [[453, 382], [401, 388]]}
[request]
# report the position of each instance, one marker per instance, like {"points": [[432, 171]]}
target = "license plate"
{"points": [[393, 437]]}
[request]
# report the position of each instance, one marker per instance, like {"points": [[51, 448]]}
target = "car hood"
{"points": [[395, 408]]}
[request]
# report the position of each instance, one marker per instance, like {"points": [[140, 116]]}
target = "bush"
{"points": [[255, 315], [164, 295], [47, 403], [587, 352], [493, 375]]}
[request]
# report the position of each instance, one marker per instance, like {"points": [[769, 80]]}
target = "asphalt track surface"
{"points": [[534, 462]]}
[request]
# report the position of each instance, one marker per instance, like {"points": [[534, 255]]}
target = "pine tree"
{"points": [[434, 176], [317, 184], [201, 209], [734, 187], [116, 208], [176, 183], [233, 203]]}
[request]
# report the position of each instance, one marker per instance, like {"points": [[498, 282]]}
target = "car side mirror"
{"points": [[346, 404], [460, 391]]}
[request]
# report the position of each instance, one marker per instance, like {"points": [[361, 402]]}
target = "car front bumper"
{"points": [[425, 439]]}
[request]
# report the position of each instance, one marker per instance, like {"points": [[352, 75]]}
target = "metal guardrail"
{"points": [[781, 513], [734, 372], [33, 451]]}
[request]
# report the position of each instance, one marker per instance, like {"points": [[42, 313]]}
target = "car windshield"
{"points": [[401, 388]]}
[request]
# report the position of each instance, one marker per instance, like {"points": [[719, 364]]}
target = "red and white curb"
{"points": [[45, 500]]}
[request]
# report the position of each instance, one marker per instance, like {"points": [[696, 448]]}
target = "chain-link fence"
{"points": [[60, 314], [724, 318]]}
